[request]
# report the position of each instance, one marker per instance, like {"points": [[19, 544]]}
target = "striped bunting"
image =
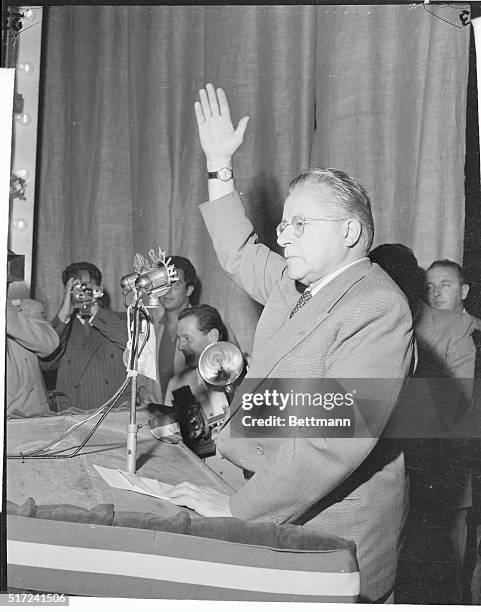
{"points": [[111, 561]]}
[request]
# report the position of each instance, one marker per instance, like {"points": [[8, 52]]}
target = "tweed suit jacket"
{"points": [[29, 336], [357, 326], [90, 365]]}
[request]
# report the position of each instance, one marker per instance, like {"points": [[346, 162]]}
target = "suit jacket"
{"points": [[90, 365], [357, 326], [29, 336], [440, 475]]}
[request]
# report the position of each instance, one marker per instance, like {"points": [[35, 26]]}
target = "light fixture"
{"points": [[22, 173], [23, 119], [26, 68], [19, 225]]}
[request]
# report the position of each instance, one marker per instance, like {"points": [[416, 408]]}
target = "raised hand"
{"points": [[66, 308], [218, 138]]}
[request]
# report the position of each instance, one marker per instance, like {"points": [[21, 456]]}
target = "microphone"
{"points": [[127, 281], [152, 279], [158, 280]]}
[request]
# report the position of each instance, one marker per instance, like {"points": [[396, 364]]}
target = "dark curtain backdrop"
{"points": [[378, 91]]}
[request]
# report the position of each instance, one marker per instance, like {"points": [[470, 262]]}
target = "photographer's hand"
{"points": [[66, 309]]}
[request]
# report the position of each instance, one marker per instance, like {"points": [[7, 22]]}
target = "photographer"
{"points": [[92, 339]]}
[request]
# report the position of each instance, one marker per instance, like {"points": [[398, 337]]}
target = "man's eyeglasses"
{"points": [[298, 224]]}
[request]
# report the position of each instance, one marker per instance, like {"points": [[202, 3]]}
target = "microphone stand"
{"points": [[151, 281], [133, 427]]}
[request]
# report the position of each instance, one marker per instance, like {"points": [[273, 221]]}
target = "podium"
{"points": [[217, 559]]}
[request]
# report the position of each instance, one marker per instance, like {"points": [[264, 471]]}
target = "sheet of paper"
{"points": [[119, 479]]}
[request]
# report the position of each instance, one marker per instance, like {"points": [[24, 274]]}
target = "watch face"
{"points": [[225, 174]]}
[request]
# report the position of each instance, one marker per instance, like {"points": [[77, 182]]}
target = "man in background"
{"points": [[197, 328], [92, 339], [447, 287], [184, 293], [29, 336]]}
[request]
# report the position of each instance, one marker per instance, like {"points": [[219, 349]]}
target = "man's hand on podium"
{"points": [[204, 500]]}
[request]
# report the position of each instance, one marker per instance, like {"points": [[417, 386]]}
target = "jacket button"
{"points": [[259, 450]]}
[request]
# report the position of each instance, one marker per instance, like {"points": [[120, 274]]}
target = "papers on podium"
{"points": [[119, 479]]}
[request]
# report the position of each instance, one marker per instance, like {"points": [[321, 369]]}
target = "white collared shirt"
{"points": [[318, 285]]}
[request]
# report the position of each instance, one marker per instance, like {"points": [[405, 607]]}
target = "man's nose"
{"points": [[285, 237]]}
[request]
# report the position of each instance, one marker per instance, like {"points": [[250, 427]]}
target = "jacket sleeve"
{"points": [[461, 350], [251, 265], [26, 324], [453, 396], [374, 343], [51, 361]]}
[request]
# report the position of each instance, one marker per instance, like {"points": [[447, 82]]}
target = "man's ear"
{"points": [[352, 232], [213, 335], [189, 290], [464, 291]]}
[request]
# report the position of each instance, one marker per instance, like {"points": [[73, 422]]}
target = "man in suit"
{"points": [[352, 322], [89, 361], [447, 289]]}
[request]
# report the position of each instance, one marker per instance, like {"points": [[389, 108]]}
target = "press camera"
{"points": [[85, 295]]}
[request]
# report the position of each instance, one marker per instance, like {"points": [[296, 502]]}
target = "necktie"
{"points": [[305, 297]]}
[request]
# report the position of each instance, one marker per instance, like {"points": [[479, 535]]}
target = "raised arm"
{"points": [[26, 324], [218, 138], [252, 265]]}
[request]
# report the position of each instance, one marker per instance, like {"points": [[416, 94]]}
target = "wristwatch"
{"points": [[224, 174]]}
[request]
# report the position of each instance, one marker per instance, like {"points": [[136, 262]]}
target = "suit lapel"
{"points": [[286, 333]]}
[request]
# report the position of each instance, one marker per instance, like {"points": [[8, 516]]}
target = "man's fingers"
{"points": [[223, 104], [214, 105], [199, 113], [184, 489], [204, 102], [241, 128]]}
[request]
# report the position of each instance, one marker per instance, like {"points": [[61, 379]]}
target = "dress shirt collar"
{"points": [[318, 285]]}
